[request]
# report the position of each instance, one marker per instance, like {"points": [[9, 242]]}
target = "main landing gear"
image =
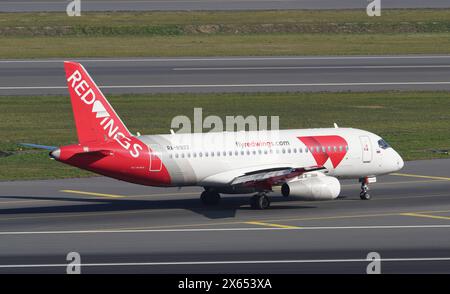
{"points": [[364, 194], [209, 197], [260, 201]]}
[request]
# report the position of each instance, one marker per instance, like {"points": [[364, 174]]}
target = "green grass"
{"points": [[225, 45], [413, 122], [46, 35], [196, 22]]}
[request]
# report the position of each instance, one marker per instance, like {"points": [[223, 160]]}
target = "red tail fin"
{"points": [[95, 119]]}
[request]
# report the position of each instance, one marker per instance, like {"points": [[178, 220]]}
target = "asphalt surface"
{"points": [[234, 74], [130, 228], [132, 5]]}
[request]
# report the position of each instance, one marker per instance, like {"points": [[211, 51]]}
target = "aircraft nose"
{"points": [[399, 161], [55, 153]]}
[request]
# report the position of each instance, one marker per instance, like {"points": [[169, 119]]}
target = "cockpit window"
{"points": [[383, 144]]}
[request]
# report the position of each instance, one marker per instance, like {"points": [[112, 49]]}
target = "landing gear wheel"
{"points": [[260, 201], [210, 198], [364, 196]]}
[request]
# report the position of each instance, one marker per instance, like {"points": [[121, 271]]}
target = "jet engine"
{"points": [[313, 188]]}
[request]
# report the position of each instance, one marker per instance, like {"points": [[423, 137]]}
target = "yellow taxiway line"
{"points": [[127, 196], [271, 225], [93, 194], [426, 215], [420, 176]]}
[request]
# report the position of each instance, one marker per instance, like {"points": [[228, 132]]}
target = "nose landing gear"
{"points": [[364, 194]]}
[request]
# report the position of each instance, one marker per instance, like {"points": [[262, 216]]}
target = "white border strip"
{"points": [[236, 85], [306, 67], [418, 259], [231, 58], [223, 230]]}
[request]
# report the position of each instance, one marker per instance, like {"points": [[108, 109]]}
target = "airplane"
{"points": [[303, 163]]}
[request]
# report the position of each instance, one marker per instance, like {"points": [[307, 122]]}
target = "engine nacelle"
{"points": [[313, 188]]}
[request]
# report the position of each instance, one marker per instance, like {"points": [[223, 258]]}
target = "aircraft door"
{"points": [[366, 149]]}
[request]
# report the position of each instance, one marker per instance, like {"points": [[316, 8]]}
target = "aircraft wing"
{"points": [[272, 177]]}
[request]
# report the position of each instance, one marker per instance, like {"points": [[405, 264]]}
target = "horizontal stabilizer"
{"points": [[38, 146]]}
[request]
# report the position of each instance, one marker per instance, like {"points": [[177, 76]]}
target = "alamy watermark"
{"points": [[74, 8], [74, 265], [374, 8], [374, 266], [213, 123]]}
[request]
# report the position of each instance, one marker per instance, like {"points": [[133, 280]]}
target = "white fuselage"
{"points": [[212, 159]]}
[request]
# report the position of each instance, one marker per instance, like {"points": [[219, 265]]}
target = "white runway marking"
{"points": [[224, 230], [239, 85], [225, 262], [308, 67], [233, 59], [142, 1]]}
